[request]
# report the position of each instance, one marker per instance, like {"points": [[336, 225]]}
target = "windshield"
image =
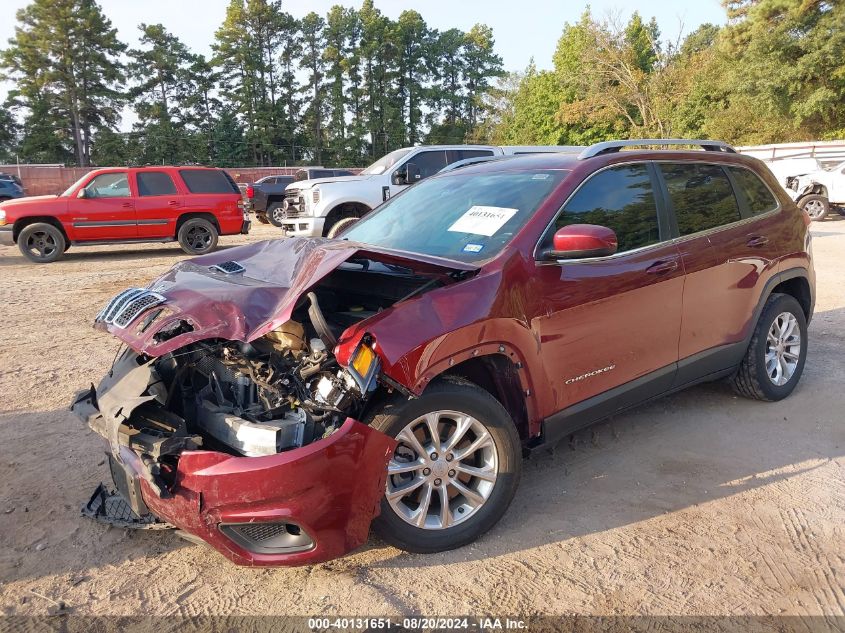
{"points": [[385, 162], [468, 217]]}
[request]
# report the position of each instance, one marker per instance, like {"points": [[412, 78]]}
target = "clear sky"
{"points": [[523, 29]]}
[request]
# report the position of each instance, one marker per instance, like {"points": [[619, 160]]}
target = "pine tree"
{"points": [[64, 60], [312, 62], [160, 69]]}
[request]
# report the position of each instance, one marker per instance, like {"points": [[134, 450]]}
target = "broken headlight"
{"points": [[364, 366]]}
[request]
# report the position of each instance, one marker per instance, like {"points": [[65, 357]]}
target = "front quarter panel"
{"points": [[426, 336]]}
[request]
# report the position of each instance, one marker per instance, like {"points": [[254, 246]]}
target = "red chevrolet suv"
{"points": [[193, 205], [277, 399]]}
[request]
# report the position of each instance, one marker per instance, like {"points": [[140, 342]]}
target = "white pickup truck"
{"points": [[323, 206], [818, 191]]}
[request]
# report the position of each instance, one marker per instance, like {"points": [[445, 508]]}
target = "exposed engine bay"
{"points": [[281, 391]]}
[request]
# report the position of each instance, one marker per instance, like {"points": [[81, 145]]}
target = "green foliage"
{"points": [[773, 74], [349, 86], [64, 60]]}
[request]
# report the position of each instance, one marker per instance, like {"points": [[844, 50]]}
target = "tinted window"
{"points": [[155, 183], [114, 185], [701, 195], [207, 181], [620, 198], [462, 154], [429, 163], [757, 194]]}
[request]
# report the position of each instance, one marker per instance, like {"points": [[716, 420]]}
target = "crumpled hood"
{"points": [[245, 306]]}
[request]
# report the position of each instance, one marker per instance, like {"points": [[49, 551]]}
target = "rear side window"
{"points": [[701, 196], [620, 198], [454, 155], [155, 183], [208, 181], [758, 196]]}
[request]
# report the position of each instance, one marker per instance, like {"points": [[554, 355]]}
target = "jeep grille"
{"points": [[128, 306]]}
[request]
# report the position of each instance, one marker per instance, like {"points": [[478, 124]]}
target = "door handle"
{"points": [[757, 240], [174, 203], [127, 205], [662, 267]]}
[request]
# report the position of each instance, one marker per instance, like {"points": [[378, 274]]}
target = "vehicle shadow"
{"points": [[674, 454], [100, 253], [51, 465]]}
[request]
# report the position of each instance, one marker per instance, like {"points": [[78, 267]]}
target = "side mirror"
{"points": [[577, 241], [82, 193], [408, 174]]}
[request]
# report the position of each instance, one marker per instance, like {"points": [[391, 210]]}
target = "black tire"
{"points": [[340, 226], [819, 206], [198, 236], [752, 380], [42, 243], [274, 216], [452, 394]]}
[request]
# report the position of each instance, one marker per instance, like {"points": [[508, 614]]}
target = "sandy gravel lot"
{"points": [[702, 503]]}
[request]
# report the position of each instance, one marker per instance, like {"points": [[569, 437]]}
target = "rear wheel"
{"points": [[275, 214], [197, 236], [455, 470], [775, 358], [41, 243], [816, 206]]}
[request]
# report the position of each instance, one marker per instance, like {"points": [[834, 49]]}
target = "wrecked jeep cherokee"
{"points": [[277, 399]]}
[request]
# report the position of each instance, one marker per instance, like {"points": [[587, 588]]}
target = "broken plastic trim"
{"points": [[111, 508]]}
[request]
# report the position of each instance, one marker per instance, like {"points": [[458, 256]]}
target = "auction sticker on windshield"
{"points": [[481, 220]]}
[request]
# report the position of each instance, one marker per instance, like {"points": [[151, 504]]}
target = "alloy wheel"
{"points": [[198, 238], [814, 208], [41, 244], [443, 470], [783, 348]]}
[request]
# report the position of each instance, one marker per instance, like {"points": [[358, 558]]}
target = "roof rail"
{"points": [[608, 147]]}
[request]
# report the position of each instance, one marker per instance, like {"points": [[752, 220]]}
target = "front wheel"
{"points": [[340, 226], [455, 470], [197, 236], [816, 206], [41, 243], [775, 358]]}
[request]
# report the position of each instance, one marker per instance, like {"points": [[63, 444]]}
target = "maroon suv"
{"points": [[276, 399]]}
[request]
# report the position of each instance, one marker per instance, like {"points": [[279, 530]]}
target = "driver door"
{"points": [[106, 210], [608, 327]]}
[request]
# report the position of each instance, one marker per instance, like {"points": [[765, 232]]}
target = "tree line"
{"points": [[339, 89], [773, 73], [346, 88]]}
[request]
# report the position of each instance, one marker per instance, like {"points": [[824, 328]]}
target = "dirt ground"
{"points": [[701, 503]]}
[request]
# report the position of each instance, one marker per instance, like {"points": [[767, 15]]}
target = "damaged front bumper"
{"points": [[302, 506]]}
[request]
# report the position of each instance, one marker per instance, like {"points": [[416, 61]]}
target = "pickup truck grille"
{"points": [[128, 306], [294, 205]]}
